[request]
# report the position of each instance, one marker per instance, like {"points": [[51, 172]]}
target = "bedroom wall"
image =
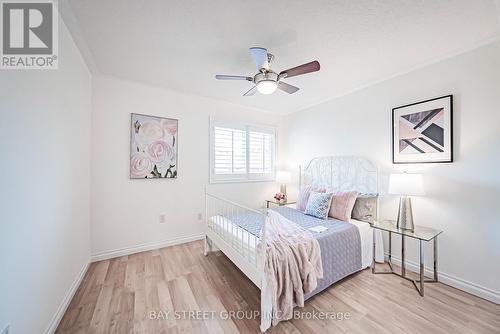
{"points": [[45, 195], [462, 197], [126, 213]]}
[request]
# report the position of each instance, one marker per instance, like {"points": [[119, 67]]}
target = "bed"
{"points": [[346, 247]]}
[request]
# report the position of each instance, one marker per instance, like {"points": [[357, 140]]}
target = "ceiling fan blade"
{"points": [[287, 88], [251, 91], [259, 56], [301, 69], [232, 77]]}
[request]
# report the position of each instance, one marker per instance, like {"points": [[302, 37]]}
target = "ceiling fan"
{"points": [[267, 81]]}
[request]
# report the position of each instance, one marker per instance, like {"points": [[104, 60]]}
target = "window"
{"points": [[240, 152]]}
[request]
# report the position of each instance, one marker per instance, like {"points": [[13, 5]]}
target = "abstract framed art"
{"points": [[153, 147], [422, 132]]}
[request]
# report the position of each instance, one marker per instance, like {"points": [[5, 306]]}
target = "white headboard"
{"points": [[341, 173]]}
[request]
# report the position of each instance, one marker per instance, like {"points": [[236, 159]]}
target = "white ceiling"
{"points": [[181, 45]]}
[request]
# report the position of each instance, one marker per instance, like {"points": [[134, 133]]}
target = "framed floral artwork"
{"points": [[153, 147], [422, 132]]}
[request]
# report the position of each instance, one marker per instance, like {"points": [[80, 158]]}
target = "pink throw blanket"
{"points": [[292, 267]]}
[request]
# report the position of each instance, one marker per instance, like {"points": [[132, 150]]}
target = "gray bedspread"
{"points": [[340, 244]]}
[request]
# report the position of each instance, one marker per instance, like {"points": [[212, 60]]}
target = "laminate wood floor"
{"points": [[118, 296]]}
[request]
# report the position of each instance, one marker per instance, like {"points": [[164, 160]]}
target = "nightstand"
{"points": [[275, 202], [420, 233]]}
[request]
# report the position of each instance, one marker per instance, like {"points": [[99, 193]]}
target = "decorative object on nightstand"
{"points": [[283, 177], [406, 185], [280, 197]]}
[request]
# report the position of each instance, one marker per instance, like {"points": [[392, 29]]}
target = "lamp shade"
{"points": [[283, 176], [406, 184]]}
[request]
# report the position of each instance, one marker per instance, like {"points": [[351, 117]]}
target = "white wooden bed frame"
{"points": [[339, 173]]}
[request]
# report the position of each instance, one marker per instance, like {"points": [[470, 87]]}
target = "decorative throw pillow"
{"points": [[365, 208], [303, 196], [342, 204], [318, 204]]}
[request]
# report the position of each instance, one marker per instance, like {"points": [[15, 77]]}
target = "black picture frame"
{"points": [[447, 155]]}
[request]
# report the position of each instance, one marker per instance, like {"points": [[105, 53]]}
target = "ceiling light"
{"points": [[267, 87]]}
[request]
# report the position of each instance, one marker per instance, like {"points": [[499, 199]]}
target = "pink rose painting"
{"points": [[153, 147]]}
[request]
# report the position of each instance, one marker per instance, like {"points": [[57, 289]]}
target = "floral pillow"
{"points": [[303, 196], [318, 204]]}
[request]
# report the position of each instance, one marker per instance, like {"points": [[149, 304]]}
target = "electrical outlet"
{"points": [[200, 217], [163, 219], [6, 330]]}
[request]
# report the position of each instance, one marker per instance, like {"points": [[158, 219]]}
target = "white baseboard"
{"points": [[67, 299], [105, 255], [472, 288]]}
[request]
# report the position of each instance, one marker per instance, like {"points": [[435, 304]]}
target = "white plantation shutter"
{"points": [[261, 147], [230, 151], [240, 152]]}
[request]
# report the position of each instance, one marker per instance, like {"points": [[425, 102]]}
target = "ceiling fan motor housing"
{"points": [[265, 76]]}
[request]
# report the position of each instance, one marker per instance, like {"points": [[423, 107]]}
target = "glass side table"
{"points": [[422, 234], [276, 202]]}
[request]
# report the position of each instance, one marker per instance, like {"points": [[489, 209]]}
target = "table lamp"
{"points": [[283, 177], [406, 185]]}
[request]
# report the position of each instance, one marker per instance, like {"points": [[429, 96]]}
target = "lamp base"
{"points": [[405, 214], [283, 188]]}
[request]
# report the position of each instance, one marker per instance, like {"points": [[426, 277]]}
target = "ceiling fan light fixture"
{"points": [[267, 87], [266, 81]]}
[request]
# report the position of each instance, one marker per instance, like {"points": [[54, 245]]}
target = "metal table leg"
{"points": [[390, 246], [403, 246], [391, 271], [421, 269], [390, 251], [373, 260], [418, 283], [435, 259], [422, 279]]}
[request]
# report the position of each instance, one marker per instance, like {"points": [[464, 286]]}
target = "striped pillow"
{"points": [[318, 204], [303, 196]]}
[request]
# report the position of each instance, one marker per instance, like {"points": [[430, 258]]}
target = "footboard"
{"points": [[241, 246]]}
